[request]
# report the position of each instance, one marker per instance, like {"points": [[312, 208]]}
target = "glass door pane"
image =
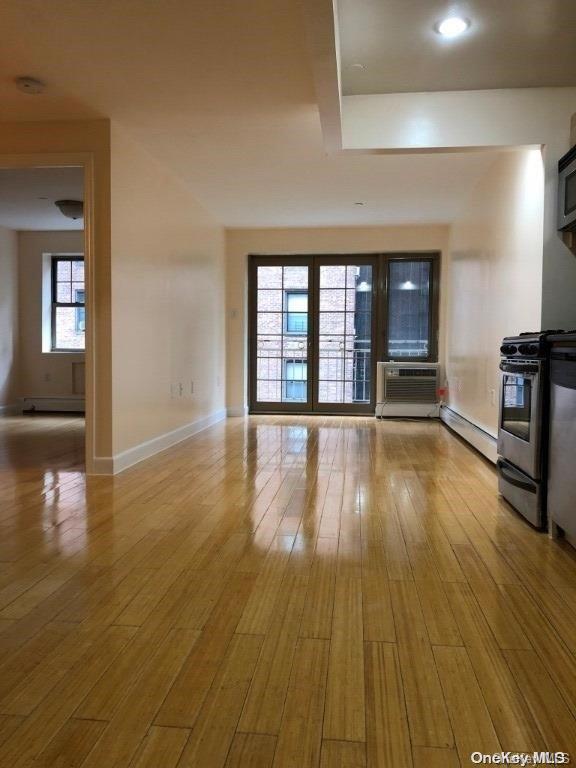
{"points": [[409, 301], [281, 342], [345, 306]]}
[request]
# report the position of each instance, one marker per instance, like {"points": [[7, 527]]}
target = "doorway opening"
{"points": [[43, 317], [319, 324]]}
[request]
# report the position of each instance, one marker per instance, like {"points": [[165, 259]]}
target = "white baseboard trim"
{"points": [[10, 410], [72, 403], [145, 450], [242, 411], [483, 441], [102, 465]]}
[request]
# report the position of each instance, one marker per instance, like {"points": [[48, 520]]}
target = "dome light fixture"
{"points": [[30, 85], [72, 209], [452, 26]]}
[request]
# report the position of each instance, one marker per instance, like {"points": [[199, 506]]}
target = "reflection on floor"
{"points": [[42, 441], [283, 591]]}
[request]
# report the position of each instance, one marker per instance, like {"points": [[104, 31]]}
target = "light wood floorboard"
{"points": [[282, 591]]}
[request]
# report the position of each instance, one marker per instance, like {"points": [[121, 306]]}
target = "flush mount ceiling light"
{"points": [[452, 26], [30, 85], [72, 209]]}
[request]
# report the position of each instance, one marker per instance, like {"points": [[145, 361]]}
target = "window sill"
{"points": [[64, 352]]}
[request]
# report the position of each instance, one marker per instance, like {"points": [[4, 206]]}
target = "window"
{"points": [[295, 380], [409, 304], [68, 304], [296, 312], [80, 318]]}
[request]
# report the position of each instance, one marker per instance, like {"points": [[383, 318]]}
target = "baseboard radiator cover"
{"points": [[69, 404], [478, 438]]}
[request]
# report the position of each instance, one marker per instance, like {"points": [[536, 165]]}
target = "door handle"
{"points": [[514, 480]]}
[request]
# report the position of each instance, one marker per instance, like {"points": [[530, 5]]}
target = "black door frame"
{"points": [[380, 262], [256, 406]]}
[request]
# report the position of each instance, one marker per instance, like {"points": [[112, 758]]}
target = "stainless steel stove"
{"points": [[523, 424]]}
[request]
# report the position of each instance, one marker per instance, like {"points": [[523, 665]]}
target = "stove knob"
{"points": [[528, 350], [508, 349]]}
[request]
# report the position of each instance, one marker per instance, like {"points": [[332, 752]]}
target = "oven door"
{"points": [[520, 430]]}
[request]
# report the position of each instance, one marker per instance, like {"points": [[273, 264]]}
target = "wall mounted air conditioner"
{"points": [[407, 389]]}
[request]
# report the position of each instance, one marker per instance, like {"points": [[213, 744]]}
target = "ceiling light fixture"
{"points": [[453, 26], [72, 209], [30, 85]]}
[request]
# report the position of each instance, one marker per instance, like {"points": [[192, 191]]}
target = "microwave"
{"points": [[567, 191]]}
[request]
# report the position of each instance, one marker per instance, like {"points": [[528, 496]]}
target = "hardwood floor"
{"points": [[36, 442], [277, 591]]}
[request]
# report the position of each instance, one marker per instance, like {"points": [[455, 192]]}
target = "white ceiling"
{"points": [[27, 197], [221, 91], [390, 45]]}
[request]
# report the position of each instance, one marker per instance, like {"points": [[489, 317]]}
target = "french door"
{"points": [[312, 332]]}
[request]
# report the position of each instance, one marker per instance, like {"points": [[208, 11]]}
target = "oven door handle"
{"points": [[519, 367], [502, 466]]}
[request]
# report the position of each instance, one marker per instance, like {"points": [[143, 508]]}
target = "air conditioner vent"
{"points": [[403, 391], [407, 389]]}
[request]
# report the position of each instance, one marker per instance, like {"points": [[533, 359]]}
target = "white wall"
{"points": [[8, 317], [494, 280], [348, 240], [42, 373], [456, 120], [167, 301]]}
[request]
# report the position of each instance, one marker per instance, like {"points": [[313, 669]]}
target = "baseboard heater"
{"points": [[477, 437], [408, 390], [55, 404]]}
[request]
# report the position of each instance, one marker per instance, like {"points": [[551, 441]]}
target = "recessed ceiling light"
{"points": [[452, 26]]}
